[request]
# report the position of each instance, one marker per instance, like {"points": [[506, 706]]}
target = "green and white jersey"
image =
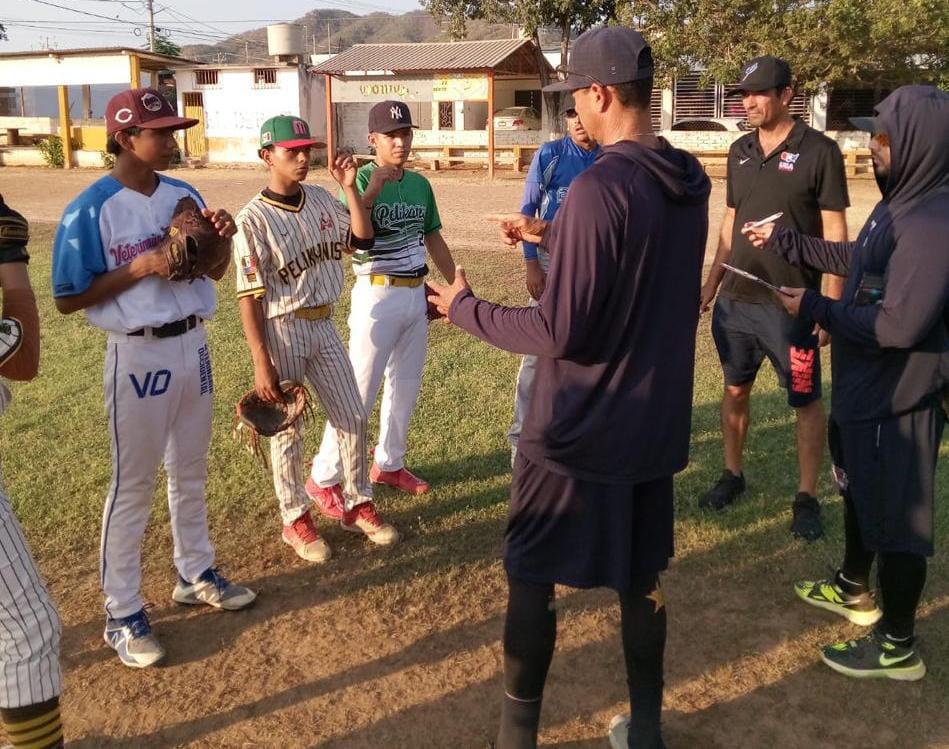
{"points": [[403, 214]]}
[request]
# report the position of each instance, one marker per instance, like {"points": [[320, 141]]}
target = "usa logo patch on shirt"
{"points": [[788, 159]]}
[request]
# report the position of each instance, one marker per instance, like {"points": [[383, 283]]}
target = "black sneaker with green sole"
{"points": [[875, 656]]}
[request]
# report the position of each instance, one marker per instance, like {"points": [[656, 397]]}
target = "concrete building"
{"points": [[232, 101], [451, 87], [94, 73]]}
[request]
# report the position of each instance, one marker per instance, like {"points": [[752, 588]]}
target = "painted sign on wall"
{"points": [[460, 87]]}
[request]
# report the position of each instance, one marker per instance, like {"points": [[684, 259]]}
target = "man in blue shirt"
{"points": [[554, 167]]}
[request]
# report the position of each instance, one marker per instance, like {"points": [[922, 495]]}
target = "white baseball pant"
{"points": [[312, 349], [388, 339], [158, 394], [29, 625]]}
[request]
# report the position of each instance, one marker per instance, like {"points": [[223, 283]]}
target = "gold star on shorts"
{"points": [[657, 597]]}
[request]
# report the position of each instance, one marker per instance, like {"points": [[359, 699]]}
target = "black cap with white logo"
{"points": [[762, 74], [387, 116]]}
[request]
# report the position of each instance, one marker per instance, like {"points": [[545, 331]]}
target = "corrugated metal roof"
{"points": [[404, 58]]}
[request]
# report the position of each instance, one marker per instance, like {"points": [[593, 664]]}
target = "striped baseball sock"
{"points": [[36, 726]]}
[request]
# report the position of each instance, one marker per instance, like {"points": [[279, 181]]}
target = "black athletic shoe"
{"points": [[728, 488], [806, 523], [875, 656]]}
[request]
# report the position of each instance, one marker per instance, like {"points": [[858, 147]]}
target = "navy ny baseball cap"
{"points": [[142, 107], [867, 124], [762, 74], [387, 116], [608, 56]]}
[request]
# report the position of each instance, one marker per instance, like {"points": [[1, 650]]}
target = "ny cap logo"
{"points": [[151, 102], [749, 70], [395, 112], [299, 127]]}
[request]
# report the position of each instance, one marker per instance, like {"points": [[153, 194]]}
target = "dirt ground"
{"points": [[400, 649]]}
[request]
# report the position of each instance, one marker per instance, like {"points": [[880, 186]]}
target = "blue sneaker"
{"points": [[215, 590], [131, 637]]}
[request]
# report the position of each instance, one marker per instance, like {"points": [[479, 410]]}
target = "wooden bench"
{"points": [[520, 154], [857, 162]]}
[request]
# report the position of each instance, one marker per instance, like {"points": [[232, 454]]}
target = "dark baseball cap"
{"points": [[387, 116], [871, 125], [142, 107], [287, 131], [608, 56], [761, 74], [568, 107]]}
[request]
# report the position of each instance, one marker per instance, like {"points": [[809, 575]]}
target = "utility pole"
{"points": [[329, 40], [151, 25], [246, 52]]}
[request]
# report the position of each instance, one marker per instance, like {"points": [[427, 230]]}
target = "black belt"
{"points": [[171, 329]]}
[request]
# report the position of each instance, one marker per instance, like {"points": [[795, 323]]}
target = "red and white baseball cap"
{"points": [[142, 107]]}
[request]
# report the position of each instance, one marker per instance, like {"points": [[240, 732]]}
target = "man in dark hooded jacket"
{"points": [[608, 424], [890, 376]]}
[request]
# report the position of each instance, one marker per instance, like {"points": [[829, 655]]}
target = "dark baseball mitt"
{"points": [[256, 418], [192, 246]]}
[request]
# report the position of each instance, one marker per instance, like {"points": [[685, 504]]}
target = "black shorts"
{"points": [[746, 333], [586, 534], [888, 469]]}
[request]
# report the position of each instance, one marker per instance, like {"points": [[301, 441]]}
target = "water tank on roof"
{"points": [[285, 40]]}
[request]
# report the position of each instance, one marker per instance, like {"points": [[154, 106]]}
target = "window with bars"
{"points": [[206, 77], [692, 100], [265, 77], [655, 108], [446, 115]]}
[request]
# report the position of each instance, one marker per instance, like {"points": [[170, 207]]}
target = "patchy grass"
{"points": [[741, 658]]}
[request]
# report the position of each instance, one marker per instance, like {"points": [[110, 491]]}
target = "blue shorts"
{"points": [[746, 333]]}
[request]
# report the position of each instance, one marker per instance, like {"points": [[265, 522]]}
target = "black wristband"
{"points": [[361, 244], [14, 255]]}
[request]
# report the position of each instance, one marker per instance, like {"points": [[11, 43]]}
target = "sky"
{"points": [[65, 24]]}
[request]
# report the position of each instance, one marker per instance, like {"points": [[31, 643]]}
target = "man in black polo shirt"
{"points": [[782, 166], [608, 423]]}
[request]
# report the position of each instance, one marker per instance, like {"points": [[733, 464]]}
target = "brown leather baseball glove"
{"points": [[192, 248], [256, 418]]}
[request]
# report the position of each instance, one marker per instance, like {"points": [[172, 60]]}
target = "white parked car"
{"points": [[516, 118], [711, 123]]}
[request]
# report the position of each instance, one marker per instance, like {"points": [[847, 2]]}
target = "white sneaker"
{"points": [[131, 637], [618, 732], [215, 590]]}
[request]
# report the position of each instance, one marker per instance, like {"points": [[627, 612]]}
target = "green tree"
{"points": [[883, 43], [164, 45], [569, 16]]}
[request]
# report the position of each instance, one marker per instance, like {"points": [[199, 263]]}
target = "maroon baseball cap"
{"points": [[142, 107]]}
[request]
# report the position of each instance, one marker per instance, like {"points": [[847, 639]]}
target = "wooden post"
{"points": [[87, 102], [135, 75], [490, 124], [65, 127], [330, 130]]}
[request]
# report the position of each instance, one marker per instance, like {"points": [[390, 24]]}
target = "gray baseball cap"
{"points": [[608, 56], [868, 124]]}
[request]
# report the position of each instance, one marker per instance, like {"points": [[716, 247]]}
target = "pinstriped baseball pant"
{"points": [[311, 350], [29, 625]]}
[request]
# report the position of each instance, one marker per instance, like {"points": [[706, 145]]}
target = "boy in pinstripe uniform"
{"points": [[30, 676], [288, 248]]}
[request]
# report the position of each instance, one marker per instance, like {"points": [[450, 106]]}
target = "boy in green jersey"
{"points": [[388, 326]]}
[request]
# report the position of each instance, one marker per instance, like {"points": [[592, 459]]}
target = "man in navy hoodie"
{"points": [[609, 420], [890, 378]]}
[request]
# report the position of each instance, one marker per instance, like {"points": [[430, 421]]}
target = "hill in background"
{"points": [[336, 30]]}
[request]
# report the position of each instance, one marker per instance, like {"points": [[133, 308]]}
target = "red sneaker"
{"points": [[328, 500], [403, 480], [306, 542], [364, 519]]}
